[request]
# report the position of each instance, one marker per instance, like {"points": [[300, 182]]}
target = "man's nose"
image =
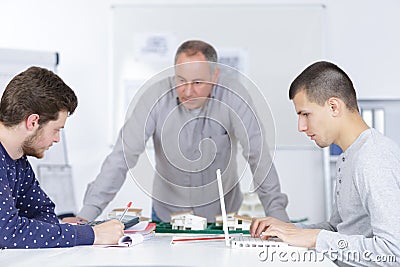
{"points": [[57, 137], [188, 88], [302, 125]]}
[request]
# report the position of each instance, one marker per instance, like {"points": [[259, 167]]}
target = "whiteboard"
{"points": [[14, 61], [272, 42]]}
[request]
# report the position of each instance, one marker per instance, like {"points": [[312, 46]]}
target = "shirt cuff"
{"points": [[327, 240], [84, 235], [279, 214], [89, 213]]}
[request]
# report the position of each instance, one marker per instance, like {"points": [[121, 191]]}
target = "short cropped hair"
{"points": [[36, 91], [192, 47], [323, 80]]}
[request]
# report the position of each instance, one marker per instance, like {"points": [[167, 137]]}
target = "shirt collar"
{"points": [[358, 143]]}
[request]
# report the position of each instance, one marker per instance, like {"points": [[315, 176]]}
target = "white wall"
{"points": [[78, 30], [361, 36]]}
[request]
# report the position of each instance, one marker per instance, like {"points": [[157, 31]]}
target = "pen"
{"points": [[126, 209]]}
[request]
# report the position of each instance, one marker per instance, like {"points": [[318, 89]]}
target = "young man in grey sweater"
{"points": [[364, 227]]}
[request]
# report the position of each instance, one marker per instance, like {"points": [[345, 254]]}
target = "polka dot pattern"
{"points": [[27, 213]]}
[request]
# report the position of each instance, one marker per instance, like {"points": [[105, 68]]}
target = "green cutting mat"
{"points": [[166, 227]]}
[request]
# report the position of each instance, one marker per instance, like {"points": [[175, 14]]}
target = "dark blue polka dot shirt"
{"points": [[27, 214]]}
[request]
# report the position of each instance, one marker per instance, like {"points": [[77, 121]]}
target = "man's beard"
{"points": [[28, 146]]}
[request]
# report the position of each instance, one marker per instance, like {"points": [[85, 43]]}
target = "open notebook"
{"points": [[244, 241]]}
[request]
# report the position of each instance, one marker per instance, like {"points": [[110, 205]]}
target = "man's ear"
{"points": [[216, 75], [32, 122], [335, 106]]}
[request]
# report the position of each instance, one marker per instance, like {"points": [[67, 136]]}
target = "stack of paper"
{"points": [[125, 241], [144, 228]]}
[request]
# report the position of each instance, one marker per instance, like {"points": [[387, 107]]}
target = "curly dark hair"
{"points": [[36, 91]]}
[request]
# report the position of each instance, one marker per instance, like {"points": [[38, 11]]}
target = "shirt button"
{"points": [[339, 170], [340, 181], [337, 193], [343, 159]]}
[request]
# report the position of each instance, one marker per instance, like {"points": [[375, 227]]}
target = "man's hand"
{"points": [[259, 225], [73, 220], [287, 232], [108, 233]]}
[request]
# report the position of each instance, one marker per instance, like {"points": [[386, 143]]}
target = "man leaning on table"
{"points": [[33, 110], [364, 226], [196, 117]]}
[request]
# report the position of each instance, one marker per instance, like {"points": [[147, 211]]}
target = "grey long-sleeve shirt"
{"points": [[364, 226], [189, 146]]}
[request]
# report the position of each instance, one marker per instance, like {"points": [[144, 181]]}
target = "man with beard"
{"points": [[33, 109]]}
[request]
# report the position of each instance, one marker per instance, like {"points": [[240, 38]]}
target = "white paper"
{"points": [[125, 241], [152, 46]]}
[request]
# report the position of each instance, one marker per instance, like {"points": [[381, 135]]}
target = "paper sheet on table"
{"points": [[182, 239], [125, 241]]}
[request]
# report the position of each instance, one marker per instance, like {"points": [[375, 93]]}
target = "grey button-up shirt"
{"points": [[190, 145]]}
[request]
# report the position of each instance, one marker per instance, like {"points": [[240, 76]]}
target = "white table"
{"points": [[154, 252]]}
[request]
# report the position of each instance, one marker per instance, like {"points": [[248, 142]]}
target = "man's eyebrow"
{"points": [[196, 79]]}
